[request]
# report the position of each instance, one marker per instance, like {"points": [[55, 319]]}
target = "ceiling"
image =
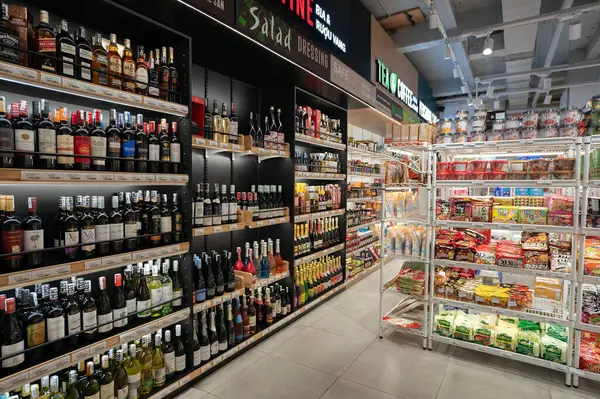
{"points": [[517, 49]]}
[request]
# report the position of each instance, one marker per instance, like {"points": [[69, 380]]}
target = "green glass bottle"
{"points": [[107, 381], [134, 371], [72, 390], [167, 289], [54, 392], [145, 359], [159, 370], [155, 293], [121, 385], [90, 387]]}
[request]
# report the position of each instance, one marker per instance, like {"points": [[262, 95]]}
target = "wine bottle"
{"points": [[87, 230], [159, 369], [102, 229], [210, 280], [34, 325], [245, 318], [107, 381], [119, 304], [134, 373], [145, 359], [251, 315], [219, 277], [177, 288], [180, 353], [228, 272], [239, 265], [116, 227], [12, 340], [130, 227], [33, 234], [90, 388], [55, 322], [129, 294], [167, 289], [230, 326], [70, 231], [121, 386], [103, 308], [88, 312], [166, 221], [212, 335], [73, 314], [144, 300], [238, 323], [169, 355], [200, 285], [221, 330], [155, 293]]}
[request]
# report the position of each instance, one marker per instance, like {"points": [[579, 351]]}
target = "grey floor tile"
{"points": [[465, 379], [314, 315], [194, 393], [275, 378], [571, 393], [321, 350], [367, 320], [229, 371], [403, 370], [338, 322], [281, 337], [343, 389]]}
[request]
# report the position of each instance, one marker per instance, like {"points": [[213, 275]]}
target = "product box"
{"points": [[414, 133], [396, 136], [316, 119], [505, 214], [425, 132], [308, 111], [23, 23], [405, 133], [389, 128]]}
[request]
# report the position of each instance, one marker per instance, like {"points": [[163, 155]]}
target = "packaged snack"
{"points": [[592, 248], [522, 201], [478, 165], [559, 203], [506, 201], [506, 337], [507, 321], [494, 135], [477, 175], [444, 167], [443, 324], [592, 267], [533, 215], [529, 343], [563, 175], [485, 255], [505, 214], [517, 176], [539, 165], [499, 165], [564, 164], [535, 241], [506, 259], [484, 333], [512, 134], [560, 218], [442, 209], [529, 133], [481, 210], [444, 252], [496, 175], [537, 260], [499, 298], [460, 209], [540, 175], [554, 349], [477, 136], [463, 327]]}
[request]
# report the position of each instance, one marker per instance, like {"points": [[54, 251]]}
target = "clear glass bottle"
{"points": [[167, 289], [159, 369], [155, 293], [134, 373]]}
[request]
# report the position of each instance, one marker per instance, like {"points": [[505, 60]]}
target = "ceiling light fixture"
{"points": [[548, 99], [490, 90], [455, 73], [433, 20], [488, 46], [447, 53], [574, 31]]}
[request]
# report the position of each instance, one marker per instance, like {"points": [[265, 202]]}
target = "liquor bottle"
{"points": [[252, 131], [99, 61], [223, 205], [245, 318], [176, 220], [129, 294], [115, 64], [89, 313], [144, 299], [73, 316], [260, 137], [153, 148], [65, 51], [128, 139], [229, 326], [129, 225], [24, 137], [33, 234], [81, 140], [208, 207], [72, 389], [217, 123], [226, 122], [239, 264], [129, 67], [159, 368], [45, 43], [102, 229], [154, 219], [134, 373], [87, 230], [97, 138], [198, 208], [177, 288], [211, 284], [208, 121], [180, 352], [7, 137], [271, 259], [175, 150], [46, 136], [70, 231], [165, 148], [166, 221], [107, 380], [155, 288], [200, 283], [165, 75], [116, 226], [221, 330], [34, 326], [119, 304], [268, 309], [141, 73], [64, 141], [167, 289], [168, 351], [174, 77], [153, 77], [228, 272], [113, 138], [55, 322], [145, 359], [265, 266], [238, 323], [251, 315], [83, 56], [103, 308], [249, 267], [121, 387], [141, 145], [212, 334], [90, 388], [233, 205], [233, 126], [277, 303]]}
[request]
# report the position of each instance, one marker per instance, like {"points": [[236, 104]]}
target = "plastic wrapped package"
{"points": [[481, 210], [485, 329], [506, 336], [444, 324], [553, 349], [559, 203], [533, 215], [505, 214], [534, 241], [463, 327], [529, 343], [560, 218]]}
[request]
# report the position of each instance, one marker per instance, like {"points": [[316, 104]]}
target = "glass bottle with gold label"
{"points": [[99, 61], [128, 68], [217, 125], [114, 64], [226, 124]]}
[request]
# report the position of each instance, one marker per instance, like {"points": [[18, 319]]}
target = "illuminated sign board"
{"points": [[392, 82]]}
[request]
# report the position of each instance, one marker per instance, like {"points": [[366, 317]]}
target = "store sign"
{"points": [[262, 25], [392, 82], [343, 76], [388, 106], [223, 10]]}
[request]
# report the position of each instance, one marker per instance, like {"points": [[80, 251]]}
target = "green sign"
{"points": [[409, 117]]}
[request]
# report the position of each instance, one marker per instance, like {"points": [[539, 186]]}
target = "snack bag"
{"points": [[529, 343], [444, 324], [485, 333], [463, 327], [554, 349], [506, 337]]}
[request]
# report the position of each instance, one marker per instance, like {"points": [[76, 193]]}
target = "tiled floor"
{"points": [[334, 352]]}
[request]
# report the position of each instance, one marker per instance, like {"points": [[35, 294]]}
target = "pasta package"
{"points": [[533, 215], [553, 349], [529, 343], [463, 327], [592, 248], [506, 337], [505, 214]]}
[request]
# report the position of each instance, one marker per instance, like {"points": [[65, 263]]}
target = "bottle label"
{"points": [[67, 48], [180, 362], [233, 208], [98, 147], [74, 323], [207, 214], [65, 145], [85, 55], [24, 140], [169, 362], [94, 396], [123, 393], [33, 240], [131, 306], [177, 295], [156, 296], [225, 210], [214, 348], [89, 319], [7, 141], [252, 320], [233, 128], [105, 319], [120, 317], [201, 295], [116, 231], [67, 67], [165, 224], [167, 293], [142, 308], [131, 229], [128, 149], [134, 381], [107, 391], [222, 346], [114, 66], [114, 146], [71, 238], [55, 328], [211, 291], [129, 72], [153, 152], [141, 77], [141, 148], [198, 358], [36, 334], [87, 236], [82, 147], [9, 350], [159, 376], [198, 213], [46, 142], [102, 232], [205, 353], [175, 152], [9, 53], [165, 151]]}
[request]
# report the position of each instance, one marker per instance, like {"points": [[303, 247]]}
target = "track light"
{"points": [[488, 46], [464, 89], [547, 83], [548, 99], [497, 105], [574, 31], [447, 54], [433, 20], [456, 73], [490, 90]]}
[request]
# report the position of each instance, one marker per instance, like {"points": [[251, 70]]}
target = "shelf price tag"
{"points": [[27, 73], [73, 84], [199, 141], [236, 147], [91, 88], [213, 143], [80, 355], [218, 229], [113, 260], [98, 348], [19, 278], [198, 232], [14, 381], [60, 270], [50, 79], [141, 255]]}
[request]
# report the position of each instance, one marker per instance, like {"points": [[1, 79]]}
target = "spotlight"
{"points": [[433, 20], [574, 31], [488, 46]]}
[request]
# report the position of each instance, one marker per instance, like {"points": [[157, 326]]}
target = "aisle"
{"points": [[334, 352]]}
